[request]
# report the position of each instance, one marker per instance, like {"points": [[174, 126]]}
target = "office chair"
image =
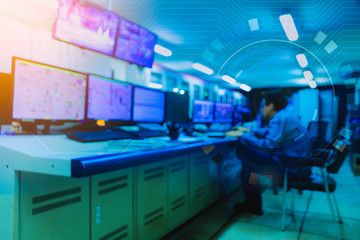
{"points": [[317, 131], [329, 162]]}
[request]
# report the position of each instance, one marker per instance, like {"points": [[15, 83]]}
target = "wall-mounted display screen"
{"points": [[47, 93], [149, 105], [223, 112], [203, 111], [109, 99], [135, 44], [86, 26]]}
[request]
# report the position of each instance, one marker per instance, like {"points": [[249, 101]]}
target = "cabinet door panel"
{"points": [[178, 191], [53, 207], [112, 205], [152, 190]]}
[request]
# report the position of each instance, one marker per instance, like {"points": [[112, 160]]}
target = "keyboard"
{"points": [[83, 128], [148, 134], [216, 134], [97, 136]]}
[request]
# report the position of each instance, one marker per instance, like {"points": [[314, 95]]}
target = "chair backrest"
{"points": [[342, 148], [317, 131]]}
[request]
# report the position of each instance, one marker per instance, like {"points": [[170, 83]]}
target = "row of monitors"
{"points": [[210, 112], [100, 30], [43, 92]]}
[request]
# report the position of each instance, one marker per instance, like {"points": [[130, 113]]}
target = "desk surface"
{"points": [[58, 155]]}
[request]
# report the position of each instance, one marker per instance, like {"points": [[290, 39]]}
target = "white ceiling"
{"points": [[191, 29]]}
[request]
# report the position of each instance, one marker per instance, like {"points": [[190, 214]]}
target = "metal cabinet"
{"points": [[214, 183], [151, 200], [112, 205], [178, 204], [198, 181], [53, 207]]}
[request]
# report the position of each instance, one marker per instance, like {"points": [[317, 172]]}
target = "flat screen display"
{"points": [[109, 99], [86, 26], [203, 111], [149, 105], [241, 114], [177, 108], [223, 112], [135, 44], [47, 93]]}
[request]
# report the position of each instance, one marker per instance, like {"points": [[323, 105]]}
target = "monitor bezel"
{"points": [[39, 120], [193, 109], [113, 80], [116, 44], [133, 104], [85, 47], [232, 112]]}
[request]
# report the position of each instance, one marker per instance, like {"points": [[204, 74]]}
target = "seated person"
{"points": [[267, 147]]}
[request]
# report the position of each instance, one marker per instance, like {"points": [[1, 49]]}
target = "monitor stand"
{"points": [[28, 127], [46, 129]]}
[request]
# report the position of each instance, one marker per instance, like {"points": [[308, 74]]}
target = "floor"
{"points": [[312, 218]]}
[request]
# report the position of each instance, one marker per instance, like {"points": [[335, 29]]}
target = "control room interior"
{"points": [[157, 119]]}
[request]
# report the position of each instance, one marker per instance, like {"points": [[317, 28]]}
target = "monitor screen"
{"points": [[177, 108], [149, 105], [46, 92], [86, 26], [135, 44], [241, 114], [223, 112], [109, 99], [203, 111]]}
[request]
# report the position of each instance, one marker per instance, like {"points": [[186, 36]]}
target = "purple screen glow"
{"points": [[223, 113], [135, 44], [44, 92], [86, 26], [149, 105], [109, 99], [203, 111]]}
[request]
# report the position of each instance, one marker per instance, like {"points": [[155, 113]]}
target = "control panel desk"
{"points": [[55, 188]]}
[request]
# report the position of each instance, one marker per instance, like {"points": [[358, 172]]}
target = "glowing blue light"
{"points": [[308, 75], [202, 68], [312, 84], [288, 24], [228, 79], [245, 87], [162, 51], [155, 85], [302, 60]]}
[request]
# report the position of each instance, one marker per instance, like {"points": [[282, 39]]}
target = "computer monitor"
{"points": [[87, 26], [241, 114], [148, 105], [223, 113], [43, 92], [135, 44], [109, 99], [177, 108], [203, 111]]}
